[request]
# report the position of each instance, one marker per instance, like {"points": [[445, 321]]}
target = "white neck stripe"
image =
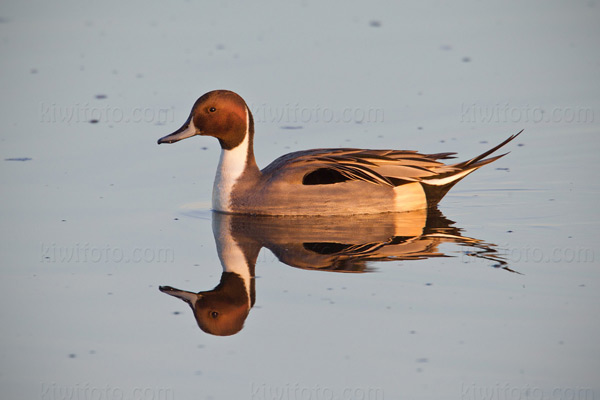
{"points": [[231, 253], [231, 166]]}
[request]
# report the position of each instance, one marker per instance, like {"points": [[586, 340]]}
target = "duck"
{"points": [[324, 181], [335, 244]]}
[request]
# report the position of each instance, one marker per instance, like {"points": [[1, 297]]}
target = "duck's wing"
{"points": [[381, 167]]}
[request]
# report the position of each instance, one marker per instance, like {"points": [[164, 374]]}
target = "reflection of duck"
{"points": [[318, 243], [223, 310], [319, 181]]}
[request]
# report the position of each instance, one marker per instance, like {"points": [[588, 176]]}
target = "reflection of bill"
{"points": [[223, 310], [333, 243]]}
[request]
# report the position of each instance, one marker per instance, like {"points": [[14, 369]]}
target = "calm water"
{"points": [[493, 296]]}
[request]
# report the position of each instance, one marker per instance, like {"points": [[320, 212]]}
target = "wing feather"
{"points": [[380, 167]]}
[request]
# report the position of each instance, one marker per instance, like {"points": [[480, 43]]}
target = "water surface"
{"points": [[96, 216]]}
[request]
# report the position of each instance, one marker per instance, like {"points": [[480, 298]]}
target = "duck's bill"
{"points": [[188, 297], [186, 131]]}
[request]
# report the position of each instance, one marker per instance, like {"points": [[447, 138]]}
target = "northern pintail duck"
{"points": [[320, 181], [332, 243]]}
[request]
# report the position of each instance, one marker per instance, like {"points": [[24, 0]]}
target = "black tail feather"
{"points": [[435, 193], [475, 161]]}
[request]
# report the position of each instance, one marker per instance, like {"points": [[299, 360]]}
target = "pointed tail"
{"points": [[436, 188]]}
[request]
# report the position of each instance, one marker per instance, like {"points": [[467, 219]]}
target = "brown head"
{"points": [[220, 113], [221, 311]]}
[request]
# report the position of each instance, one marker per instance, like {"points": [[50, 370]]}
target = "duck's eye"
{"points": [[214, 314], [212, 109]]}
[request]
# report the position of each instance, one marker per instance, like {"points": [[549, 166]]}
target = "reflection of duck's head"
{"points": [[221, 311]]}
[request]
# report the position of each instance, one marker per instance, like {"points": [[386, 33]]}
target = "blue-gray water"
{"points": [[95, 216]]}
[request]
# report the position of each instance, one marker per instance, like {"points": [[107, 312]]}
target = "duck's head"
{"points": [[220, 113], [221, 311]]}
